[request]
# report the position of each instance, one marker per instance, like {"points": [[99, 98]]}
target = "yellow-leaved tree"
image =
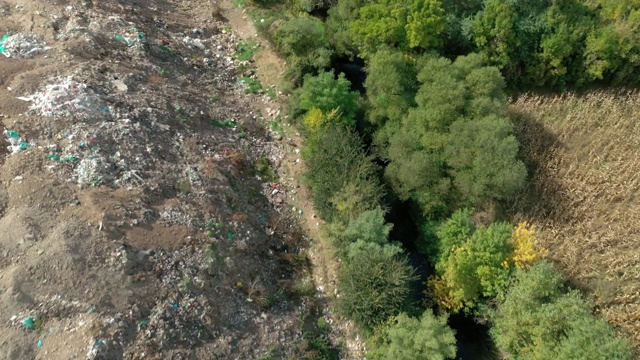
{"points": [[315, 119], [525, 252]]}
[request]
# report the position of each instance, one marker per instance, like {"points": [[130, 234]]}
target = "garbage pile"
{"points": [[22, 45], [67, 98]]}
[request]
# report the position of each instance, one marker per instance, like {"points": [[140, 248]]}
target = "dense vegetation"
{"points": [[439, 140]]}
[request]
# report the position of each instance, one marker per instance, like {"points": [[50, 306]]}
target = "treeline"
{"points": [[439, 138], [539, 43]]}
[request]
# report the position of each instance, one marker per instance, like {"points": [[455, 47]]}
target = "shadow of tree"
{"points": [[545, 196]]}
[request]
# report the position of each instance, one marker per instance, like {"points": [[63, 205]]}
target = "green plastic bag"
{"points": [[4, 38]]}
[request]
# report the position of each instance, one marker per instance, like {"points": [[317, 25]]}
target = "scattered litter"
{"points": [[16, 143], [39, 343], [22, 45], [4, 38], [131, 37]]}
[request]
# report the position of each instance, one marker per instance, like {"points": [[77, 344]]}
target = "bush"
{"points": [[375, 283], [336, 161], [540, 318], [406, 338]]}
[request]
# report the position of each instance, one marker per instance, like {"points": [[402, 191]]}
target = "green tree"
{"points": [[454, 232], [455, 147], [369, 226], [426, 338], [336, 161], [340, 16], [304, 42], [391, 86], [540, 318], [328, 94], [612, 46], [407, 24], [375, 283]]}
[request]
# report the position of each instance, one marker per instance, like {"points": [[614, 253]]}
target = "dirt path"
{"points": [[270, 68]]}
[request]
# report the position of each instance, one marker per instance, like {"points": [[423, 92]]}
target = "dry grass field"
{"points": [[583, 154]]}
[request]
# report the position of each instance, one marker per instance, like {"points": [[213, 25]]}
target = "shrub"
{"points": [[303, 41], [375, 283], [336, 161], [475, 268], [369, 227]]}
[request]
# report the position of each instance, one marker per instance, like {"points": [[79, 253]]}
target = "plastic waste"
{"points": [[22, 45], [64, 99], [4, 38], [39, 343], [123, 40], [29, 323], [16, 144]]}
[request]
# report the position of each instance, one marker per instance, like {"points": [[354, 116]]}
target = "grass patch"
{"points": [[271, 93], [223, 123], [276, 125], [303, 288], [253, 86], [184, 187], [246, 50], [265, 171]]}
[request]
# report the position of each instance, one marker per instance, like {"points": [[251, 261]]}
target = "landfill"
{"points": [[135, 224]]}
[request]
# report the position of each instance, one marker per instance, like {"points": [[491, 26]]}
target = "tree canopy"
{"points": [[455, 147], [426, 338], [406, 24], [540, 318]]}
